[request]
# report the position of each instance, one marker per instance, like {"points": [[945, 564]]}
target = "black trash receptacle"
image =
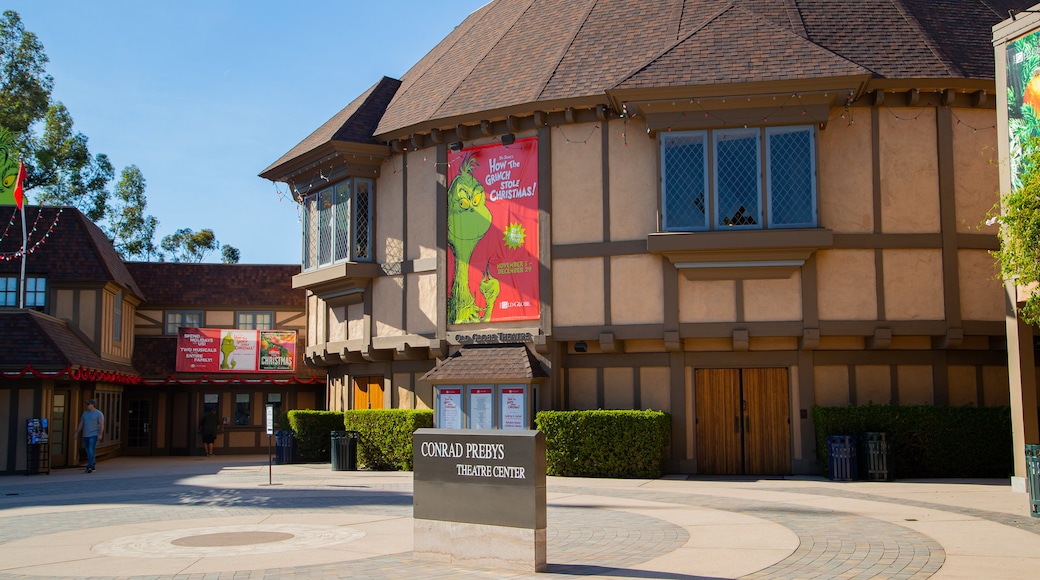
{"points": [[284, 447], [876, 456], [344, 450], [1033, 478], [841, 457]]}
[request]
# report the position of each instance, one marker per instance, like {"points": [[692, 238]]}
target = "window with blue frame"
{"points": [[739, 178]]}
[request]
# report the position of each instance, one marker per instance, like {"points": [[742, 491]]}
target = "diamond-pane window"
{"points": [[343, 220], [363, 219], [738, 187], [325, 229], [310, 232], [337, 224], [791, 164], [684, 166], [735, 191]]}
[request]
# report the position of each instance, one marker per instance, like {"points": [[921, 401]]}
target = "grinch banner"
{"points": [[493, 233], [214, 350]]}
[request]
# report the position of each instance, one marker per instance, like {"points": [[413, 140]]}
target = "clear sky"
{"points": [[202, 95]]}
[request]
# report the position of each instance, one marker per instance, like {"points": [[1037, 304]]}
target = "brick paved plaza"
{"points": [[217, 518]]}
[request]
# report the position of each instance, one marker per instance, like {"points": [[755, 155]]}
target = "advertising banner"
{"points": [[216, 350], [493, 233], [1023, 92]]}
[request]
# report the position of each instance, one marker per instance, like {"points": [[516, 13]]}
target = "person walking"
{"points": [[208, 427], [92, 425]]}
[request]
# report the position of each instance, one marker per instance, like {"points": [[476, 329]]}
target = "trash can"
{"points": [[876, 456], [344, 450], [841, 452], [284, 447], [1033, 478]]}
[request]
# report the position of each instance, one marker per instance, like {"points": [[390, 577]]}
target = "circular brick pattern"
{"points": [[269, 538]]}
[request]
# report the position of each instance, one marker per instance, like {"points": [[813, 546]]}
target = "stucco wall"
{"points": [[634, 175], [707, 301], [831, 385], [422, 303], [976, 183], [618, 388], [773, 300], [636, 285], [909, 170], [577, 186], [422, 204], [578, 292], [846, 194], [915, 385], [913, 285], [873, 384], [389, 207], [845, 282], [387, 310], [982, 292]]}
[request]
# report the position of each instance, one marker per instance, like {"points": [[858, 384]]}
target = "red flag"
{"points": [[19, 193]]}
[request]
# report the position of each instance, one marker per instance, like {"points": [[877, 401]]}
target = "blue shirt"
{"points": [[91, 422]]}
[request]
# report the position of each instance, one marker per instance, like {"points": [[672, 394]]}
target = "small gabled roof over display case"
{"points": [[488, 363]]}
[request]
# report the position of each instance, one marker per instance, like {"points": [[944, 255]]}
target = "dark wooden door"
{"points": [[742, 421], [139, 427]]}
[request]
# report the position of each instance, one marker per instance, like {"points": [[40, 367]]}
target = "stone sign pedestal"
{"points": [[479, 498]]}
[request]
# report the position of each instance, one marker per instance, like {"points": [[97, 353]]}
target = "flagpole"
{"points": [[21, 278]]}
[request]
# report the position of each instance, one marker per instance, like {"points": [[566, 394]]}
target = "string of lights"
{"points": [[33, 247]]}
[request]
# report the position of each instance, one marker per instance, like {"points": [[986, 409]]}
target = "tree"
{"points": [[58, 164], [184, 245], [1019, 216], [229, 254], [132, 232]]}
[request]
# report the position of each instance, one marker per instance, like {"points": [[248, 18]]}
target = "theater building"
{"points": [[729, 211], [92, 326]]}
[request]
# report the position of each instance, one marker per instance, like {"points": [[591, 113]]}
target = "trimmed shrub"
{"points": [[927, 441], [386, 436], [624, 444], [313, 431]]}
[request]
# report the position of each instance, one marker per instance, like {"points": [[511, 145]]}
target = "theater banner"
{"points": [[216, 350], [493, 233], [1023, 94]]}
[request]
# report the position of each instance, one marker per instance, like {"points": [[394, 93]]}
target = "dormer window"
{"points": [[35, 292], [337, 224]]}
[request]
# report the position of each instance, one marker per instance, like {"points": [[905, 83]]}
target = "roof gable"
{"points": [[736, 47], [82, 252], [488, 362]]}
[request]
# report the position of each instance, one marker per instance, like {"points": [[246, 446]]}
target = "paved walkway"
{"points": [[218, 518]]}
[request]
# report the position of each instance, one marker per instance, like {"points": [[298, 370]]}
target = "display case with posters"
{"points": [[485, 406], [37, 439]]}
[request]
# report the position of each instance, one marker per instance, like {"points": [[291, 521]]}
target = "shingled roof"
{"points": [[48, 344], [488, 362], [183, 284], [85, 254]]}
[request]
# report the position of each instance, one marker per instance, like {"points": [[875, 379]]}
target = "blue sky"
{"points": [[203, 95]]}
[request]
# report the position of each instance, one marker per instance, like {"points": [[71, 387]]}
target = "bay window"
{"points": [[739, 178], [337, 224]]}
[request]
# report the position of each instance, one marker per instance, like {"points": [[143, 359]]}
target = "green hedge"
{"points": [[386, 436], [629, 444], [313, 431], [927, 441]]}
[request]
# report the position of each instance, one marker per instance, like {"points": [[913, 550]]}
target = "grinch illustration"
{"points": [[8, 167], [469, 220], [227, 346]]}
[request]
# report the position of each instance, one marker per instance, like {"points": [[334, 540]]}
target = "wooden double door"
{"points": [[743, 421], [368, 392]]}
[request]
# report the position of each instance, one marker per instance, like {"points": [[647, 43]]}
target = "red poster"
{"points": [[215, 350], [493, 233]]}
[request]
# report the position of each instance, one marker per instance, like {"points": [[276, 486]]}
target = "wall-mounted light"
{"points": [[508, 139], [581, 346], [456, 146]]}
